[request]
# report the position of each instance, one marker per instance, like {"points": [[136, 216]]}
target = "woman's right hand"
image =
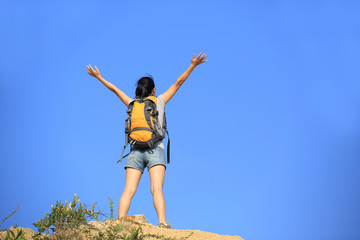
{"points": [[92, 72], [198, 60]]}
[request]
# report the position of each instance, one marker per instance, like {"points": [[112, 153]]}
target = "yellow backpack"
{"points": [[142, 127]]}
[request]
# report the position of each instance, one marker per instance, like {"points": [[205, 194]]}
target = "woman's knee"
{"points": [[129, 192], [156, 190]]}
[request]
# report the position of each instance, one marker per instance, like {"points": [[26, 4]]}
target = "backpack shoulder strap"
{"points": [[127, 128]]}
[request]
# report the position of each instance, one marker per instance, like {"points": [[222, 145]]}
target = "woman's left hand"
{"points": [[92, 72]]}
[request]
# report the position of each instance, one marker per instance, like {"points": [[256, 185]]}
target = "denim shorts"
{"points": [[142, 158]]}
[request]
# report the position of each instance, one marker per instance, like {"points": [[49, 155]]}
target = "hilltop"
{"points": [[134, 227]]}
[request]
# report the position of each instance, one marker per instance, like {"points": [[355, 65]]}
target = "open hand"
{"points": [[198, 60], [92, 72]]}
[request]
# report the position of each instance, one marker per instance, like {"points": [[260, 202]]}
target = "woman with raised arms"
{"points": [[153, 159]]}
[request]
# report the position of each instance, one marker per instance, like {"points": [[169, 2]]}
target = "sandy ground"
{"points": [[150, 231]]}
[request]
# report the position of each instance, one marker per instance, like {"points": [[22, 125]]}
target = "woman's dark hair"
{"points": [[144, 87]]}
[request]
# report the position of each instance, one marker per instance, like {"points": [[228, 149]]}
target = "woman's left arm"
{"points": [[96, 73]]}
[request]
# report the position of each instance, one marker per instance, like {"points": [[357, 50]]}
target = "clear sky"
{"points": [[265, 135]]}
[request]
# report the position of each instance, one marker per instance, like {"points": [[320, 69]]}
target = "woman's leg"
{"points": [[157, 175], [132, 181]]}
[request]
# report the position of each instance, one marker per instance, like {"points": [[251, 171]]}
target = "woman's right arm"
{"points": [[96, 74], [168, 94]]}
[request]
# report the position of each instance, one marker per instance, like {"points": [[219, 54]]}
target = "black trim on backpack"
{"points": [[166, 131]]}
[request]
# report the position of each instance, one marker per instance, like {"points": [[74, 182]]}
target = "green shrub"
{"points": [[64, 220], [111, 207], [10, 235]]}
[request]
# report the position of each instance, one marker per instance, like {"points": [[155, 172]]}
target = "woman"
{"points": [[153, 159]]}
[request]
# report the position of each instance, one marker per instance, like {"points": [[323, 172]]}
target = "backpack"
{"points": [[142, 127]]}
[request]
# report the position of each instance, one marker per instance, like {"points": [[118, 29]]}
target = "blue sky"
{"points": [[264, 135]]}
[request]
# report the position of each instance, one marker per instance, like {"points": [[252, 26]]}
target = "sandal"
{"points": [[164, 225]]}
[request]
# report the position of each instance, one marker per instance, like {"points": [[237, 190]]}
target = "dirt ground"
{"points": [[150, 231]]}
